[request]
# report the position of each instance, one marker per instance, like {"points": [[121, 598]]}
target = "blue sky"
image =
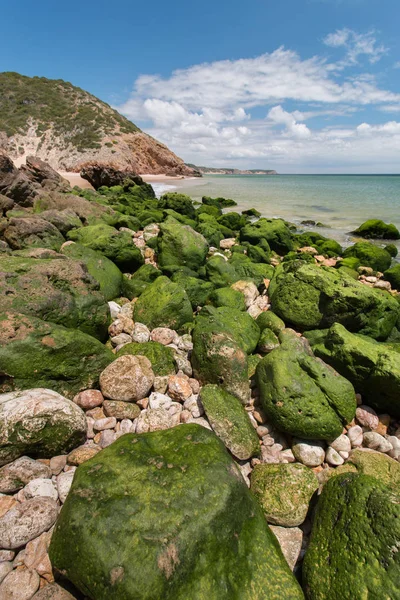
{"points": [[299, 85]]}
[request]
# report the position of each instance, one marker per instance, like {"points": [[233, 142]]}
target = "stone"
{"points": [[163, 335], [89, 399], [157, 466], [57, 464], [341, 443], [53, 592], [161, 357], [15, 475], [355, 435], [375, 441], [230, 421], [333, 457], [36, 556], [194, 405], [375, 464], [107, 437], [179, 388], [38, 422], [377, 229], [81, 454], [114, 310], [6, 503], [41, 487], [128, 378], [232, 321], [228, 297], [26, 522], [64, 482], [140, 334], [367, 417], [19, 585], [284, 492], [121, 410], [290, 540], [248, 289], [370, 255], [161, 384], [180, 245], [308, 453], [156, 419], [268, 233], [107, 423], [5, 568]]}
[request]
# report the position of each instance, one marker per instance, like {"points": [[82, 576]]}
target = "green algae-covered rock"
{"points": [[64, 220], [302, 395], [393, 276], [309, 297], [32, 232], [247, 269], [167, 516], [34, 353], [324, 245], [220, 272], [218, 357], [163, 304], [232, 220], [139, 281], [55, 289], [353, 549], [198, 291], [392, 249], [181, 245], [115, 245], [376, 464], [268, 341], [369, 255], [272, 233], [372, 367], [211, 232], [180, 203], [377, 229], [269, 320], [230, 422], [102, 269], [284, 492], [218, 202], [228, 297], [233, 321], [253, 361], [161, 357]]}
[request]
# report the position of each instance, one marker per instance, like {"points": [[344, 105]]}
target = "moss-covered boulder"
{"points": [[369, 255], [55, 289], [115, 245], [232, 220], [180, 203], [211, 232], [376, 464], [101, 268], [181, 245], [393, 276], [220, 272], [300, 394], [230, 421], [133, 286], [198, 290], [372, 367], [35, 353], [229, 298], [233, 321], [268, 341], [218, 202], [245, 268], [269, 320], [284, 491], [163, 304], [167, 515], [64, 220], [324, 245], [161, 357], [377, 229], [32, 232], [272, 233], [392, 249], [353, 549], [308, 297]]}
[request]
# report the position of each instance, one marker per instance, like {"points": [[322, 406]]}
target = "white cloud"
{"points": [[356, 44], [280, 116]]}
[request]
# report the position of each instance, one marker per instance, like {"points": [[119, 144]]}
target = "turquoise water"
{"points": [[341, 202]]}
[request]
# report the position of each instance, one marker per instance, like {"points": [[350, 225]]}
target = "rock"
{"points": [[369, 255], [377, 229], [15, 475], [284, 492], [310, 454], [355, 434], [300, 394], [39, 422], [230, 320], [32, 232], [358, 506], [102, 174], [121, 410], [5, 568], [195, 406], [333, 457], [290, 540], [6, 503], [375, 441], [115, 309], [44, 488], [179, 388], [163, 335], [367, 417], [161, 357], [57, 464], [53, 592], [180, 203], [19, 585], [36, 556], [106, 423], [268, 233], [64, 220], [128, 378], [107, 437], [267, 342], [141, 333], [89, 399], [197, 291], [373, 369], [230, 421], [311, 297], [156, 419], [229, 528], [375, 464], [26, 522], [341, 443], [228, 297], [35, 353], [248, 289], [81, 454], [269, 320], [392, 275], [64, 482], [180, 245]]}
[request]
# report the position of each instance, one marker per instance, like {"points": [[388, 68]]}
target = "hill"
{"points": [[231, 171], [68, 127]]}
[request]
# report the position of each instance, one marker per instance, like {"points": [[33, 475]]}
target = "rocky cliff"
{"points": [[68, 128]]}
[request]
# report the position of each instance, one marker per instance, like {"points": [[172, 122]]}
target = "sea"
{"points": [[339, 202]]}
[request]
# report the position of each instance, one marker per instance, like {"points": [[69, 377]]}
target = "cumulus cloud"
{"points": [[357, 45]]}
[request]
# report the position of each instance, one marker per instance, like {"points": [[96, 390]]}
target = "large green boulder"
{"points": [[211, 232], [269, 320], [35, 353], [245, 268], [115, 245], [284, 492], [393, 276], [369, 255], [181, 245], [161, 357], [54, 289], [377, 229], [101, 268], [300, 394], [376, 464], [309, 297], [167, 516], [230, 421], [324, 245], [372, 367], [218, 202], [353, 552], [32, 232], [232, 321], [198, 291], [220, 272], [228, 297], [180, 203], [268, 232], [232, 220], [163, 304]]}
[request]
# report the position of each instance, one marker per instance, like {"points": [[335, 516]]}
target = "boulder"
{"points": [[163, 304], [230, 421], [377, 229], [290, 540], [373, 463], [98, 174], [64, 220], [369, 255], [180, 245], [15, 184], [227, 297], [284, 491], [309, 297], [32, 232], [38, 422], [180, 203], [373, 368], [238, 324], [212, 540], [161, 357], [323, 245], [393, 276], [301, 394], [14, 476], [198, 291], [53, 591], [41, 172], [220, 272], [271, 234], [127, 378], [27, 521], [355, 536], [37, 353]]}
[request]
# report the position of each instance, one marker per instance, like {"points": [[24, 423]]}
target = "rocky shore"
{"points": [[193, 402]]}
